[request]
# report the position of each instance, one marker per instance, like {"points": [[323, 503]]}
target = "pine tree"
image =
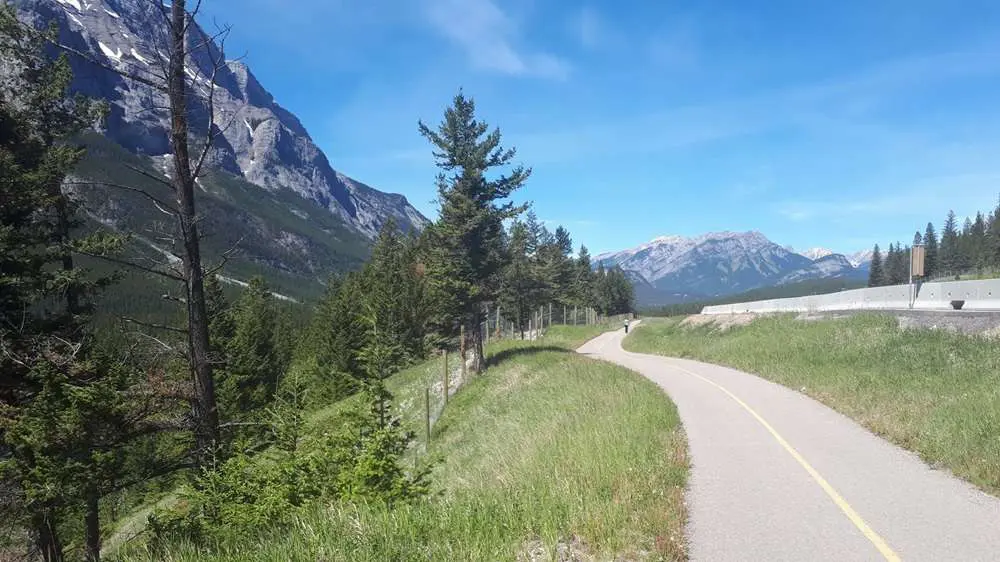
{"points": [[327, 358], [521, 287], [993, 239], [466, 251], [583, 286], [250, 378], [978, 247], [59, 436], [949, 259], [875, 274], [931, 252]]}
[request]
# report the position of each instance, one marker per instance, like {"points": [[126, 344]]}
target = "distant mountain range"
{"points": [[677, 269]]}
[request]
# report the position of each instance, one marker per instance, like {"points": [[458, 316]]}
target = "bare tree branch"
{"points": [[225, 258], [163, 327], [210, 136], [134, 265], [152, 198], [153, 177]]}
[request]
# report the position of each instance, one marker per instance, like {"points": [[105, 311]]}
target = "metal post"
{"points": [[911, 277]]}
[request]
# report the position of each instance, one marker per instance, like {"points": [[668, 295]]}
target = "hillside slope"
{"points": [[548, 454]]}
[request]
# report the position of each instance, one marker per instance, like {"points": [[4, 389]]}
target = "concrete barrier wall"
{"points": [[978, 295]]}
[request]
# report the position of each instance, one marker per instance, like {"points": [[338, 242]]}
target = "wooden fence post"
{"points": [[446, 376], [461, 349], [427, 413]]}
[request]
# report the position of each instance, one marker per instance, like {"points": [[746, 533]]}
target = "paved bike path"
{"points": [[778, 476]]}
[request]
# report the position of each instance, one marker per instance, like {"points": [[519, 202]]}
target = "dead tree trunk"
{"points": [[206, 418], [46, 538], [92, 524]]}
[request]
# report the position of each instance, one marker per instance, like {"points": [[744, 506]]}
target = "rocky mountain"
{"points": [[722, 263], [816, 253], [861, 259], [259, 144], [830, 266]]}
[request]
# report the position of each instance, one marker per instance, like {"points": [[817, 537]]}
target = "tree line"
{"points": [[95, 414], [973, 247]]}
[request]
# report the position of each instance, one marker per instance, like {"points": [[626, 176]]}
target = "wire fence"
{"points": [[455, 367]]}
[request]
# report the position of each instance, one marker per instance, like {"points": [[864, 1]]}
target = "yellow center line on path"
{"points": [[867, 531]]}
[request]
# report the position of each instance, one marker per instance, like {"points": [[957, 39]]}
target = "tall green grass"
{"points": [[548, 451], [934, 392]]}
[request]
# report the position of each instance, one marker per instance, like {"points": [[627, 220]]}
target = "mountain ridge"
{"points": [[717, 264], [258, 140]]}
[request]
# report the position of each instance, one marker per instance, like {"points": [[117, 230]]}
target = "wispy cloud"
{"points": [[489, 38], [592, 30], [819, 108]]}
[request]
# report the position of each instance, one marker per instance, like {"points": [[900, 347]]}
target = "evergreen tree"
{"points": [[250, 378], [949, 259], [993, 239], [327, 359], [583, 286], [466, 251], [521, 287], [61, 434], [978, 247], [395, 293], [931, 251], [876, 276]]}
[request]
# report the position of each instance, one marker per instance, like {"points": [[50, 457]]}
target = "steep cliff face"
{"points": [[257, 139]]}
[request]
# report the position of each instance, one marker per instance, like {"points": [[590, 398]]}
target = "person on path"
{"points": [[626, 325]]}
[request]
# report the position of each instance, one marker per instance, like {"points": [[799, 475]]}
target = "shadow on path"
{"points": [[501, 356]]}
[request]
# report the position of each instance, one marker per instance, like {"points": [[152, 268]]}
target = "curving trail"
{"points": [[778, 476]]}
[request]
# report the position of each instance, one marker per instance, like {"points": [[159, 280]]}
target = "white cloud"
{"points": [[592, 30], [488, 36]]}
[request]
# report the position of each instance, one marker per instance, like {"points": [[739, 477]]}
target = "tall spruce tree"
{"points": [[876, 276], [465, 252], [60, 433], [583, 286], [949, 259], [993, 239], [931, 252], [978, 246], [249, 380]]}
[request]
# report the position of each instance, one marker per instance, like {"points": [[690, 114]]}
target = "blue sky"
{"points": [[836, 124]]}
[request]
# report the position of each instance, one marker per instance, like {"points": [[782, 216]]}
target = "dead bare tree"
{"points": [[189, 157]]}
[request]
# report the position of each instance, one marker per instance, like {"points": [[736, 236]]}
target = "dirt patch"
{"points": [[572, 550], [722, 322]]}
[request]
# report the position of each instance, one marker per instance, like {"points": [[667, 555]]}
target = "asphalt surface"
{"points": [[778, 476]]}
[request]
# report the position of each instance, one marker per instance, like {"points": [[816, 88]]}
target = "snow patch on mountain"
{"points": [[113, 55], [139, 57], [816, 253], [719, 263], [861, 258]]}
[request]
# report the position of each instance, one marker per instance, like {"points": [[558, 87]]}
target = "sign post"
{"points": [[917, 256]]}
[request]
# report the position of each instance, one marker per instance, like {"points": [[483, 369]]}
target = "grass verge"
{"points": [[546, 454], [933, 392]]}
